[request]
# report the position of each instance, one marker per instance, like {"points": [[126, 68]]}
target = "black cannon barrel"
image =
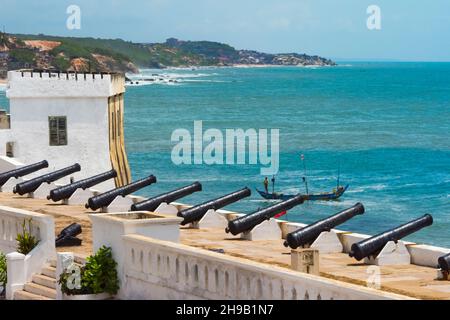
{"points": [[67, 191], [309, 234], [33, 184], [169, 197], [248, 222], [22, 171], [444, 262], [375, 244], [105, 199], [196, 213], [72, 230]]}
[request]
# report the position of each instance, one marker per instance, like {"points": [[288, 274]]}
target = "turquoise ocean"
{"points": [[386, 125]]}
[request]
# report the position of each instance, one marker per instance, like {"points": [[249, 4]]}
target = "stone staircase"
{"points": [[41, 287]]}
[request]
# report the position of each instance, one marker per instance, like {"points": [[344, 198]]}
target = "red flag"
{"points": [[280, 214]]}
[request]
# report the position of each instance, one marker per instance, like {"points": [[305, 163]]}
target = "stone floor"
{"points": [[64, 216], [410, 280]]}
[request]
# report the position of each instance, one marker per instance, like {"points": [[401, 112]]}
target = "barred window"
{"points": [[57, 131]]}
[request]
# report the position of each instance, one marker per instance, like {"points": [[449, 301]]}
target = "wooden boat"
{"points": [[336, 194]]}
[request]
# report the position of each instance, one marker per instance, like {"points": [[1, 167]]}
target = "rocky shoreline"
{"points": [[106, 55]]}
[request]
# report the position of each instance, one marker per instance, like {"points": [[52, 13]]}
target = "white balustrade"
{"points": [[157, 269], [20, 267]]}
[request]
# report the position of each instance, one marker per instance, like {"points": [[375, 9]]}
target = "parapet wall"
{"points": [[47, 84], [157, 269]]}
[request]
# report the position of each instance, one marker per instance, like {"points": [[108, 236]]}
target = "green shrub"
{"points": [[26, 242], [22, 55], [67, 277], [100, 272], [98, 275], [61, 63], [3, 274]]}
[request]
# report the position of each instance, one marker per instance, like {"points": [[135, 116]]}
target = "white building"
{"points": [[66, 118]]}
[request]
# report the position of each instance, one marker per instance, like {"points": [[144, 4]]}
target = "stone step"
{"points": [[40, 290], [24, 295], [44, 281], [78, 259], [52, 263], [49, 272]]}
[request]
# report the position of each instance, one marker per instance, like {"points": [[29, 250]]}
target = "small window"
{"points": [[57, 131]]}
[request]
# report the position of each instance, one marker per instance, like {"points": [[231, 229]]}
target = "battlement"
{"points": [[28, 83]]}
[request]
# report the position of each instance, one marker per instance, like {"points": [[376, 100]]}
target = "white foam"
{"points": [[375, 187], [159, 77]]}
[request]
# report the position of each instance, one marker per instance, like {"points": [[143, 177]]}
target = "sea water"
{"points": [[385, 125]]}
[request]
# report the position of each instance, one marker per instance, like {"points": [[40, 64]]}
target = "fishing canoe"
{"points": [[311, 197]]}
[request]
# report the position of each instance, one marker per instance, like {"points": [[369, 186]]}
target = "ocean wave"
{"points": [[150, 83], [212, 81], [264, 201], [151, 77], [172, 75], [2, 87], [375, 187], [189, 75]]}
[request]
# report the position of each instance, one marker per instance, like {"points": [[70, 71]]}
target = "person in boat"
{"points": [[266, 185]]}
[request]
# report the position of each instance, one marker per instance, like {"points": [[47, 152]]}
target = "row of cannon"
{"points": [[302, 237]]}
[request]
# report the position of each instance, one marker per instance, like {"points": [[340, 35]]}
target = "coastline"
{"points": [[237, 66]]}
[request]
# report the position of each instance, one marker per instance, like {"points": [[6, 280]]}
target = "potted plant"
{"points": [[26, 242], [96, 280]]}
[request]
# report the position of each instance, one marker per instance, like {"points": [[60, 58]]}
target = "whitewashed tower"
{"points": [[67, 118]]}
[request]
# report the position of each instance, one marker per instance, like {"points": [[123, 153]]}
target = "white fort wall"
{"points": [[87, 134], [82, 99]]}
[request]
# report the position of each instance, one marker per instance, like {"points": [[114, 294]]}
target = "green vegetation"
{"points": [[3, 274], [22, 55], [3, 39], [202, 53], [210, 50], [84, 48], [61, 63], [99, 275], [117, 55], [26, 242]]}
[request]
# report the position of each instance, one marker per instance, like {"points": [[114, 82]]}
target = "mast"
{"points": [[304, 178], [339, 175], [273, 184]]}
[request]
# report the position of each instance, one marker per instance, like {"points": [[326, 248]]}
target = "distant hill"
{"points": [[116, 55]]}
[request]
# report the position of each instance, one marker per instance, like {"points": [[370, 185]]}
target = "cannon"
{"points": [[169, 197], [250, 221], [67, 191], [68, 236], [33, 184], [373, 245], [196, 213], [105, 199], [307, 235], [444, 263], [23, 171]]}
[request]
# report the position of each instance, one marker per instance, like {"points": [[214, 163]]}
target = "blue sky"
{"points": [[412, 30]]}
